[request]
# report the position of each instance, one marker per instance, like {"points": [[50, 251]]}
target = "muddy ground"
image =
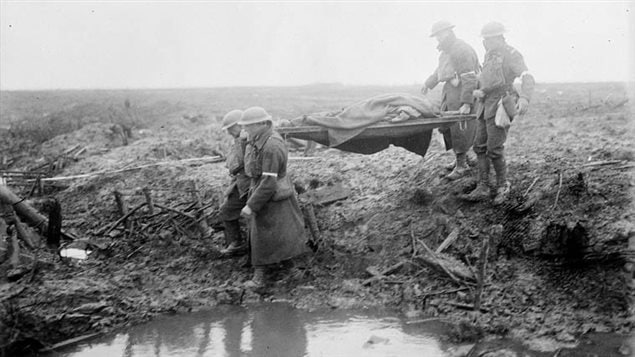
{"points": [[558, 269]]}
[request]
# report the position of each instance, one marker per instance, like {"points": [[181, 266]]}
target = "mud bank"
{"points": [[558, 267]]}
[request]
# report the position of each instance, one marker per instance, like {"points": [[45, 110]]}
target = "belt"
{"points": [[505, 89]]}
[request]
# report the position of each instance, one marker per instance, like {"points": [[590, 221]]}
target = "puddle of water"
{"points": [[75, 253], [274, 329], [277, 329]]}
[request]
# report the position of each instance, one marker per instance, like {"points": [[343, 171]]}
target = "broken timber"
{"points": [[482, 266], [309, 213], [148, 195], [380, 275], [122, 207], [453, 268], [201, 223], [206, 159], [55, 223], [32, 217], [105, 231], [453, 236]]}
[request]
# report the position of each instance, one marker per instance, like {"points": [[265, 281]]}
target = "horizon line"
{"points": [[316, 84]]}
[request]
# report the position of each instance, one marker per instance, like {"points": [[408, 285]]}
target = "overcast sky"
{"points": [[123, 44]]}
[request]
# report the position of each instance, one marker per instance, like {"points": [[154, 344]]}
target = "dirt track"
{"points": [[532, 290]]}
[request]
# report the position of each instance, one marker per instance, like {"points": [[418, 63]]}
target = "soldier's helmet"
{"points": [[440, 26], [230, 119], [254, 115], [492, 29]]}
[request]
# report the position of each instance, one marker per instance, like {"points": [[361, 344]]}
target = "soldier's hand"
{"points": [[477, 93], [522, 105], [424, 90], [465, 109], [246, 212]]}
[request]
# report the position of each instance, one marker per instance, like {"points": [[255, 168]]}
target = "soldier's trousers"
{"points": [[490, 139], [462, 136], [230, 210]]}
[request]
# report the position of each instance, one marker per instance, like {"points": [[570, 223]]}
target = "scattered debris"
{"points": [[368, 211], [375, 340], [377, 275], [454, 235]]}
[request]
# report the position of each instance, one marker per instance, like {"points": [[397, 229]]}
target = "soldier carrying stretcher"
{"points": [[497, 101], [236, 193], [458, 68]]}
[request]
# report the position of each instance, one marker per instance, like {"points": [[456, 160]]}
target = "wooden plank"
{"points": [[448, 241], [456, 270], [482, 267], [603, 163], [207, 159], [55, 223], [33, 173], [69, 342], [114, 225], [380, 275]]}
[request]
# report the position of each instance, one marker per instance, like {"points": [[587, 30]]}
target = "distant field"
{"points": [[155, 106]]}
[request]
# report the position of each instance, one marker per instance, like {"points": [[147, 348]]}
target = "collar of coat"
{"points": [[501, 50], [240, 141], [261, 138]]}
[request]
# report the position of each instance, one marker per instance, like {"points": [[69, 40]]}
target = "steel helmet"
{"points": [[230, 119], [492, 29], [254, 115], [440, 26]]}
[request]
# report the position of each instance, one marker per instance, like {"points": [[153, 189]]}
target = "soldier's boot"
{"points": [[291, 270], [233, 238], [481, 192], [471, 160], [503, 186], [460, 169], [258, 280]]}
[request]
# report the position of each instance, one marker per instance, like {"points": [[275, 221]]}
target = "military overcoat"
{"points": [[276, 227]]}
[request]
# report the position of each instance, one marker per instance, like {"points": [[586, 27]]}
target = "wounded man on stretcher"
{"points": [[393, 107], [372, 125]]}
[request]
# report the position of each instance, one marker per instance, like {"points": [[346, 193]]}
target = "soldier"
{"points": [[276, 225], [502, 65], [458, 68], [236, 193]]}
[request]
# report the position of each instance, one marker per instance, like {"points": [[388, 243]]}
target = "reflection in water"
{"points": [[234, 325], [274, 329], [277, 331]]}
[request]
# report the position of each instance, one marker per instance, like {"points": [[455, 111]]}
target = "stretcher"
{"points": [[412, 134]]}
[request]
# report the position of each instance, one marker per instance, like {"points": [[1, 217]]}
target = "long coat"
{"points": [[276, 227]]}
